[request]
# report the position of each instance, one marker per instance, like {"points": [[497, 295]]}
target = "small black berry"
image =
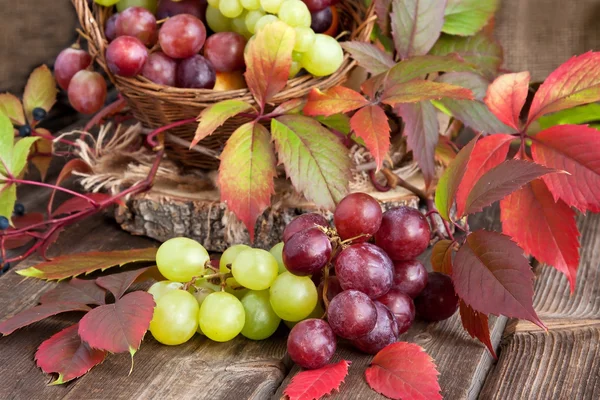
{"points": [[25, 131], [4, 224], [5, 268], [39, 113], [19, 209]]}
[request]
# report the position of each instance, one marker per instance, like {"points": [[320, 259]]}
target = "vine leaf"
{"points": [[76, 204], [545, 229], [66, 355], [293, 106], [72, 265], [441, 256], [38, 313], [22, 221], [216, 115], [11, 106], [82, 291], [419, 90], [416, 25], [42, 154], [369, 56], [316, 383], [338, 99], [492, 276], [118, 327], [382, 10], [371, 125], [575, 149], [118, 283], [314, 159], [467, 17], [40, 91], [404, 371], [419, 66], [74, 165], [476, 324], [574, 83], [506, 97], [246, 173], [585, 114]]}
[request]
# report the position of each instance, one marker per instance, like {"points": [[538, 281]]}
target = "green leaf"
{"points": [[40, 91], [577, 115], [467, 17], [7, 138], [11, 107], [416, 25], [20, 153], [314, 159], [215, 115], [339, 122], [246, 173], [419, 90], [369, 56], [418, 67], [8, 198]]}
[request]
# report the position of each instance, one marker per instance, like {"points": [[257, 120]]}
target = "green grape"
{"points": [[230, 8], [324, 57], [250, 4], [221, 316], [238, 25], [294, 70], [317, 313], [294, 13], [255, 269], [161, 288], [202, 288], [107, 3], [305, 38], [264, 21], [147, 4], [277, 252], [271, 6], [216, 21], [293, 297], [213, 3], [175, 318], [181, 259], [261, 320], [251, 18], [230, 255]]}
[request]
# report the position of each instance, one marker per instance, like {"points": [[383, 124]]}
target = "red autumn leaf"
{"points": [[419, 90], [488, 153], [43, 249], [118, 327], [441, 256], [506, 97], [293, 106], [71, 265], [369, 56], [544, 228], [416, 25], [404, 371], [371, 125], [80, 291], [574, 83], [575, 149], [38, 313], [476, 324], [422, 134], [66, 355], [20, 222], [268, 61], [215, 115], [246, 173], [76, 204], [75, 165], [316, 383], [491, 274], [118, 283], [338, 99], [501, 181]]}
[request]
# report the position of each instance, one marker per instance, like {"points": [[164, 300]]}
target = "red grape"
{"points": [[357, 214], [404, 233], [195, 72], [171, 8], [402, 306], [410, 277], [225, 50], [438, 301], [126, 56], [138, 22], [303, 222], [87, 92], [306, 252], [182, 36], [311, 343], [384, 333], [321, 20], [69, 62], [110, 28], [365, 267], [317, 5], [160, 69], [351, 314]]}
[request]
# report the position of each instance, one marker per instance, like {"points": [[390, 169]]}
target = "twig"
{"points": [[54, 187], [151, 138], [105, 112]]}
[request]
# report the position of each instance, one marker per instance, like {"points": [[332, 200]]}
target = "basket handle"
{"points": [[91, 31]]}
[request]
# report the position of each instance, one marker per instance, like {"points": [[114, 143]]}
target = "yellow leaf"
{"points": [[40, 91], [11, 106], [42, 154]]}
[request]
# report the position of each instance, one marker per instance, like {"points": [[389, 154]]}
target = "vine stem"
{"points": [[52, 138], [54, 187], [151, 138], [432, 211], [105, 112]]}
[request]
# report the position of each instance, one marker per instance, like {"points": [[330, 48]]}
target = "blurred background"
{"points": [[537, 35]]}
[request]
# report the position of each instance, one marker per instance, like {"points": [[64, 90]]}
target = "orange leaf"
{"points": [[337, 99], [42, 154], [419, 90], [441, 256], [506, 96], [371, 124]]}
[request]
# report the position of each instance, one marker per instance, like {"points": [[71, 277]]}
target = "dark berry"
{"points": [[402, 306], [39, 113], [5, 267], [4, 224], [404, 233], [351, 314], [24, 131], [410, 277], [19, 209], [357, 217], [384, 333], [438, 301]]}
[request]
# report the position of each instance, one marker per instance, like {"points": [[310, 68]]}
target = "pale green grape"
{"points": [[250, 4], [251, 18], [147, 4], [294, 13], [181, 259], [261, 320], [271, 6], [317, 313], [229, 256], [160, 288], [202, 288], [294, 70], [217, 21], [277, 250], [293, 297], [255, 269], [264, 21], [305, 38], [230, 8], [213, 3], [238, 25], [324, 57], [175, 318], [107, 3], [221, 316]]}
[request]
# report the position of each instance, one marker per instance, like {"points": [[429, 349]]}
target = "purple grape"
{"points": [[196, 72], [110, 28], [306, 252], [351, 314], [303, 222], [357, 214], [321, 20], [438, 301], [171, 8], [410, 277], [384, 333], [404, 233], [126, 56], [366, 268], [160, 68], [311, 343], [402, 306]]}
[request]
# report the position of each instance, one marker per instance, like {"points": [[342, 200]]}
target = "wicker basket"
{"points": [[158, 105]]}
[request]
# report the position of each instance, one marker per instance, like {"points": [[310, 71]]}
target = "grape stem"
{"points": [[432, 211]]}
